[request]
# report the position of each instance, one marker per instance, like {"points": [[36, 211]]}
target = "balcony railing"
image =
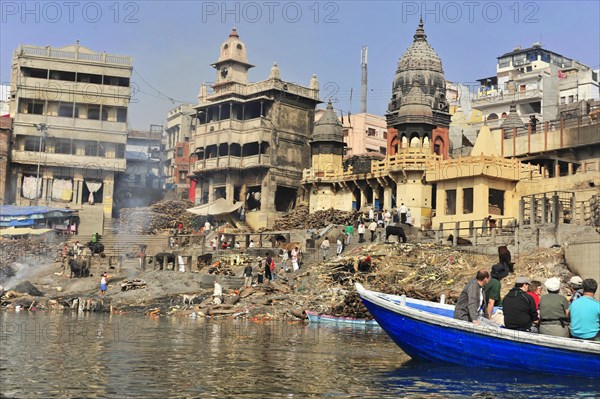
{"points": [[50, 52], [229, 162], [69, 161]]}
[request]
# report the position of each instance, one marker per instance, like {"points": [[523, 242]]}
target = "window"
{"points": [[35, 107], [32, 145], [529, 69], [182, 176], [121, 114], [570, 99], [385, 134], [65, 110], [345, 132], [563, 100], [94, 113], [62, 147], [496, 202], [91, 149], [371, 132], [467, 200], [450, 202], [179, 152], [383, 150]]}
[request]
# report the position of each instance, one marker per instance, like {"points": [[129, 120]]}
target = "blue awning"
{"points": [[12, 215]]}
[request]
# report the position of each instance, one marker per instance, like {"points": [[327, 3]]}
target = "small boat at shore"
{"points": [[432, 307], [315, 317], [425, 335]]}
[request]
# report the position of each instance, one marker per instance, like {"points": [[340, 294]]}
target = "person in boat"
{"points": [[470, 303], [519, 309], [535, 292], [585, 313], [492, 288], [575, 285], [553, 311]]}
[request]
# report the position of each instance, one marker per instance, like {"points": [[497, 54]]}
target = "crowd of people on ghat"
{"points": [[526, 308]]}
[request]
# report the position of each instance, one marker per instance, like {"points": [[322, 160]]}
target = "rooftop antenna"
{"points": [[363, 80]]}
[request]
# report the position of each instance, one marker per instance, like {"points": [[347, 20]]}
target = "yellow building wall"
{"points": [[481, 186], [327, 163]]}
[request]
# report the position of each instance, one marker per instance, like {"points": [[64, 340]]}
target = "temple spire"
{"points": [[420, 33]]}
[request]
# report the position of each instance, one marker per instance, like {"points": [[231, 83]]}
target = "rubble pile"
{"points": [[351, 307], [299, 218], [421, 271], [25, 250], [158, 217], [361, 163]]}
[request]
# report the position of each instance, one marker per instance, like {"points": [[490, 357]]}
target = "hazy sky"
{"points": [[173, 43]]}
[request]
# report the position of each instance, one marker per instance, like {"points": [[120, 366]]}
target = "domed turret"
{"points": [[275, 74], [328, 128], [314, 82], [233, 48], [232, 65], [420, 63]]}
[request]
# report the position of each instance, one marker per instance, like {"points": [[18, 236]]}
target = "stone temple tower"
{"points": [[327, 152], [421, 67], [327, 145]]}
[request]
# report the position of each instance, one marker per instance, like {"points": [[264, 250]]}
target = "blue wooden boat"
{"points": [[424, 335]]}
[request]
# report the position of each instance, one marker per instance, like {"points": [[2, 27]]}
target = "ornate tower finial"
{"points": [[275, 74], [420, 33]]}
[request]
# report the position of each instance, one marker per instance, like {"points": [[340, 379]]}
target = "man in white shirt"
{"points": [[361, 232], [403, 213], [207, 226], [387, 218], [371, 214]]}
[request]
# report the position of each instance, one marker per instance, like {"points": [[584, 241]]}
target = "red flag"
{"points": [[561, 75]]}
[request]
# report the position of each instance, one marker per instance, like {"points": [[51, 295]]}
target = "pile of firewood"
{"points": [[134, 284], [351, 307], [299, 218], [26, 250], [163, 215], [220, 268]]}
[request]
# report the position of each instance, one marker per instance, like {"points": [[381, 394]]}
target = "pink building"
{"points": [[363, 133]]}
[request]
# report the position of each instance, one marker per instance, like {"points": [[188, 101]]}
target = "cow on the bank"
{"points": [[204, 260], [79, 268], [395, 231], [164, 258], [459, 240]]}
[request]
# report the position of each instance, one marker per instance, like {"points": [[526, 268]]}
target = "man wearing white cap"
{"points": [[553, 310], [575, 284], [519, 309]]}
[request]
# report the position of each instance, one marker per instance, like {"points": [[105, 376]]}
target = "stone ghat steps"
{"points": [[122, 244]]}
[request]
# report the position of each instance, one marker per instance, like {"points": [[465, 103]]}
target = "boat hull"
{"points": [[468, 345]]}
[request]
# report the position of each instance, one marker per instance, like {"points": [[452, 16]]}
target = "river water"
{"points": [[65, 355]]}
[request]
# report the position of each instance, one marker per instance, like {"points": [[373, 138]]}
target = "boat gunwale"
{"points": [[571, 344]]}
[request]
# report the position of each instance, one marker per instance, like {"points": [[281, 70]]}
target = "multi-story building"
{"points": [[178, 155], [252, 139], [537, 81], [69, 107], [144, 155]]}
